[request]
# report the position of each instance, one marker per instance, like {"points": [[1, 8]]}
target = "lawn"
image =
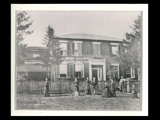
{"points": [[84, 102]]}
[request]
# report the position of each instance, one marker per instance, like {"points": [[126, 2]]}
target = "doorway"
{"points": [[94, 74], [97, 72]]}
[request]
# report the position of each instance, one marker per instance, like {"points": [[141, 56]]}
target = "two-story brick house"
{"points": [[84, 55], [97, 53]]}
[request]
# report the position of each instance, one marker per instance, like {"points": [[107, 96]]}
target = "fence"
{"points": [[38, 86], [62, 86]]}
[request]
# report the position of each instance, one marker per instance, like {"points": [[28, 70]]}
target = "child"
{"points": [[134, 92]]}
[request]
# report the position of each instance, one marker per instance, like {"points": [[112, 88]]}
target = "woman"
{"points": [[76, 92], [46, 88], [87, 87]]}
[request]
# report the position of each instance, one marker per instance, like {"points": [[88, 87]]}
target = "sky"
{"points": [[111, 24]]}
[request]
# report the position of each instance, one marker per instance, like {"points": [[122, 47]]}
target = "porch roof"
{"points": [[31, 68]]}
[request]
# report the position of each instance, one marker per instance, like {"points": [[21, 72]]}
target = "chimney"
{"points": [[51, 32]]}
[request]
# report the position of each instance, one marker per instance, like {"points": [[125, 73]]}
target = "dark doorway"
{"points": [[94, 74]]}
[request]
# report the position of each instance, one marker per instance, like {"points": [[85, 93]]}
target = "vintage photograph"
{"points": [[78, 60]]}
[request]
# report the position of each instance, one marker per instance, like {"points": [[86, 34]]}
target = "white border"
{"points": [[82, 7]]}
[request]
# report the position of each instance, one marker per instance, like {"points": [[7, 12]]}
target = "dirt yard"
{"points": [[84, 102]]}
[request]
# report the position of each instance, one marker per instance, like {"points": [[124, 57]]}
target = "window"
{"points": [[96, 49], [116, 67], [36, 55], [24, 55], [128, 73], [114, 49], [77, 48], [79, 70], [63, 50], [132, 72], [63, 70]]}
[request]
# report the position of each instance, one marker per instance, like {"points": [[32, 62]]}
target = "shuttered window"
{"points": [[96, 49], [77, 49], [63, 50], [114, 49], [63, 70]]}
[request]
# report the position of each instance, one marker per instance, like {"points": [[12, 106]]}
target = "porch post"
{"points": [[90, 71], [104, 71]]}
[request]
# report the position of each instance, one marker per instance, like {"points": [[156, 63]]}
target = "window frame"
{"points": [[60, 73], [63, 42], [76, 42], [111, 45], [99, 43]]}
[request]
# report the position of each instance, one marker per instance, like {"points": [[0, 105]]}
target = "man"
{"points": [[94, 84]]}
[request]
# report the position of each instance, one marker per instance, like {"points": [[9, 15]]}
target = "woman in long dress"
{"points": [[46, 88], [87, 87], [76, 90]]}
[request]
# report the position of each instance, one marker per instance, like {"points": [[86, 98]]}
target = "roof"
{"points": [[89, 37], [31, 68]]}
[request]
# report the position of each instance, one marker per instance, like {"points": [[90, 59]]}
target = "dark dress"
{"points": [[87, 87], [46, 89], [113, 90]]}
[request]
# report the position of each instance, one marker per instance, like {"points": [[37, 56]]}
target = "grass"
{"points": [[84, 102]]}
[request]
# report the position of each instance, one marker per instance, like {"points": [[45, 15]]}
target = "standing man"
{"points": [[94, 86]]}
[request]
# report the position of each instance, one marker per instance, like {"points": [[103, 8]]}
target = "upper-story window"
{"points": [[63, 46], [96, 49], [114, 49], [24, 55], [36, 55], [77, 48]]}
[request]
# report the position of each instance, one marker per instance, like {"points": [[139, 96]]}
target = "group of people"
{"points": [[88, 90], [91, 88], [88, 85]]}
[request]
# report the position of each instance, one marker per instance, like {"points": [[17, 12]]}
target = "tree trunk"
{"points": [[47, 72]]}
